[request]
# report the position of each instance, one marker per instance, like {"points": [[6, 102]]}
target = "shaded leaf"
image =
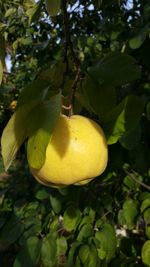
{"points": [[61, 250], [115, 69], [140, 157], [100, 98], [54, 74], [124, 119], [131, 139], [42, 194], [106, 238], [148, 111], [30, 254], [128, 213], [71, 255], [40, 127], [1, 72], [72, 216], [2, 56], [49, 251], [12, 230], [139, 38], [56, 203]]}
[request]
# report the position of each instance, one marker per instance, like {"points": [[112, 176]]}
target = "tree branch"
{"points": [[69, 46], [133, 177]]}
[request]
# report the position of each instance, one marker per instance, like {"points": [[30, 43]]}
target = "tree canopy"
{"points": [[93, 57]]}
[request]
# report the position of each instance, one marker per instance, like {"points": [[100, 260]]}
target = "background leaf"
{"points": [[53, 7], [115, 69], [72, 218], [49, 251], [30, 254], [139, 38], [106, 238], [1, 72], [146, 253]]}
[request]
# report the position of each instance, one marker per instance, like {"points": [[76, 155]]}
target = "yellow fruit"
{"points": [[76, 154]]}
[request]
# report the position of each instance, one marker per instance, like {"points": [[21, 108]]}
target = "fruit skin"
{"points": [[76, 153]]}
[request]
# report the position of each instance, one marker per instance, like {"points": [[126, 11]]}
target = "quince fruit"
{"points": [[76, 153]]}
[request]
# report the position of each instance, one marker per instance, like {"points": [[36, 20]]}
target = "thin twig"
{"points": [[74, 87], [133, 177], [69, 46]]}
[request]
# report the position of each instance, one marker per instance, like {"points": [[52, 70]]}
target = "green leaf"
{"points": [[72, 216], [2, 56], [145, 204], [84, 254], [34, 12], [131, 139], [14, 227], [148, 111], [16, 130], [115, 69], [88, 255], [54, 74], [49, 251], [140, 157], [145, 253], [30, 254], [42, 194], [53, 6], [139, 38], [56, 203], [10, 12], [71, 254], [85, 232], [101, 98], [129, 212], [41, 125], [1, 72], [106, 238], [124, 119], [61, 250], [114, 123]]}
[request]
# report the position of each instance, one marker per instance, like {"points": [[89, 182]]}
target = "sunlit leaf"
{"points": [[145, 253], [40, 128], [123, 120], [52, 6], [16, 130]]}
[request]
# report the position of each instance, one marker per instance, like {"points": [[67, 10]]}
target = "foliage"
{"points": [[101, 52]]}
